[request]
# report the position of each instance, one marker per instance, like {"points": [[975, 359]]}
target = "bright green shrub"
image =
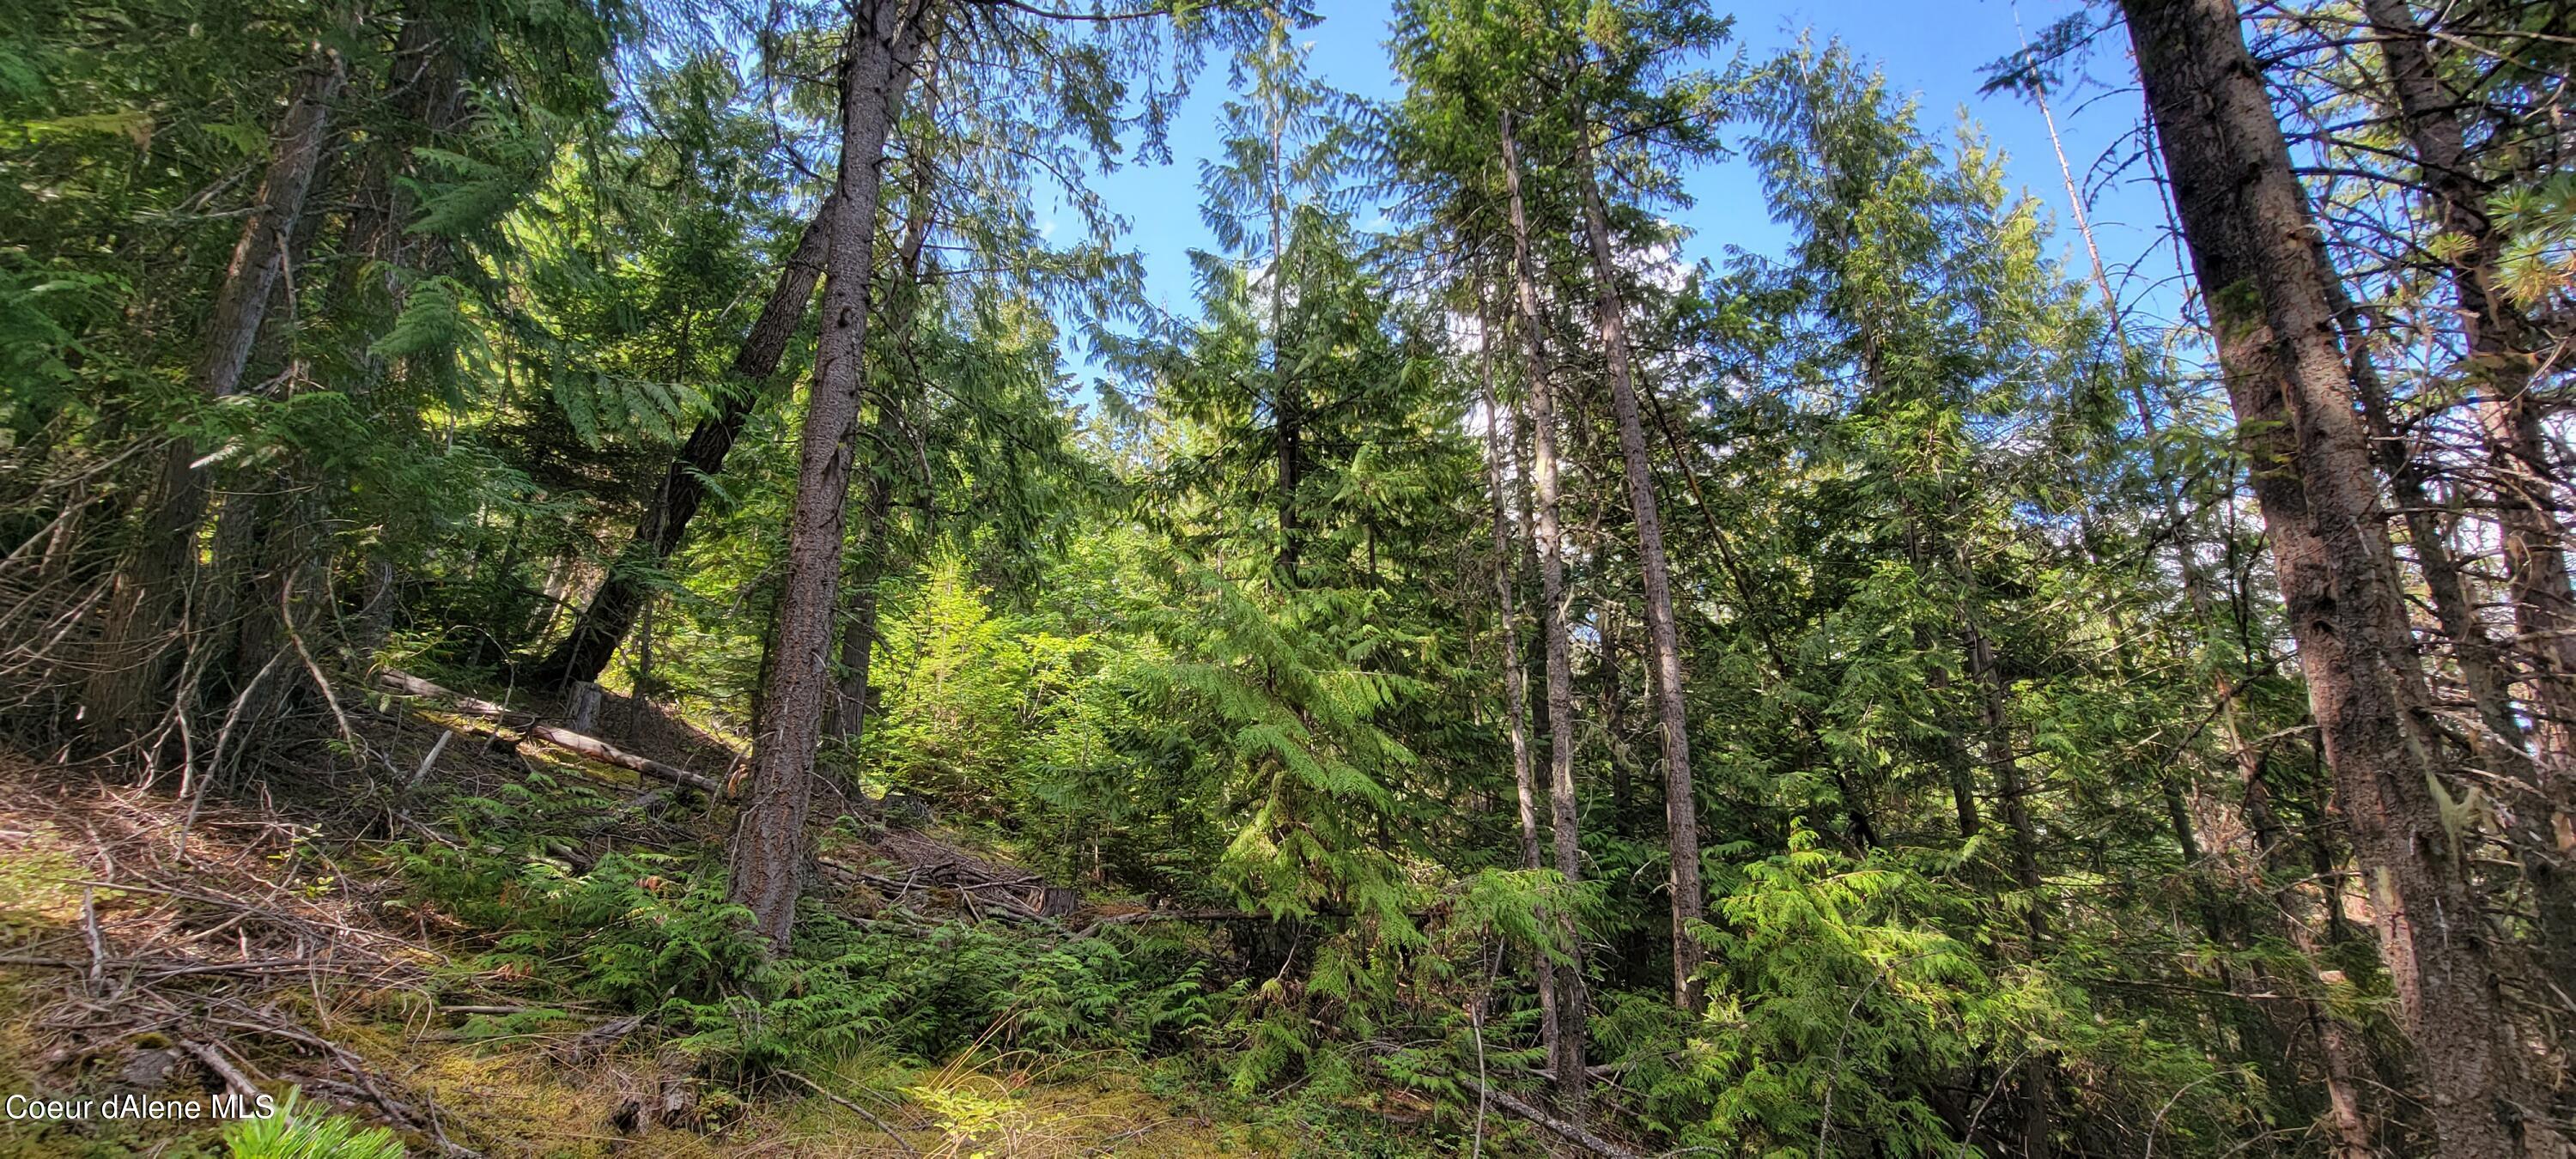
{"points": [[296, 1131]]}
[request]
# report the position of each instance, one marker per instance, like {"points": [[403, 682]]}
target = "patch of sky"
{"points": [[1934, 51]]}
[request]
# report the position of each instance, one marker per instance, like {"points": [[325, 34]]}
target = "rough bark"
{"points": [[769, 841], [846, 715], [128, 687], [2524, 482], [584, 652], [258, 261], [2502, 743], [1515, 678], [1663, 635], [1566, 1060], [2246, 224]]}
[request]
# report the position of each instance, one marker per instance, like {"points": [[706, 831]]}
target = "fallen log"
{"points": [[1015, 906], [1574, 1133], [398, 681], [529, 724], [1570, 1132], [608, 754]]}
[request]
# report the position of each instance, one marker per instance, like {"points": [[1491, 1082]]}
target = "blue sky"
{"points": [[1931, 50]]}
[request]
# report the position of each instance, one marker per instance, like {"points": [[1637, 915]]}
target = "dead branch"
{"points": [[1574, 1133], [1571, 1132], [592, 747], [853, 1108], [234, 1080]]}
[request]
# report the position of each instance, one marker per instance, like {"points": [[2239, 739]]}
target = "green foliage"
{"points": [[2005, 785], [43, 365], [2539, 219], [1836, 1000], [296, 1131], [965, 691], [652, 934], [433, 323], [635, 929]]}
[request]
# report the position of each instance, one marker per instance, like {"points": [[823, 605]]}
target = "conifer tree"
{"points": [[1628, 90], [885, 42], [883, 51], [2245, 219], [2042, 800]]}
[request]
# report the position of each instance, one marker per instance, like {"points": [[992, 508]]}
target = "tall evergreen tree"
{"points": [[2267, 292]]}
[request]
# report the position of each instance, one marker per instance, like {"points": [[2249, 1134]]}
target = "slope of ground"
{"points": [[187, 940]]}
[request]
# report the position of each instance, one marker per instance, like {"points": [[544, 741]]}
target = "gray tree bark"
{"points": [[1565, 1057], [846, 714], [1663, 635], [769, 842], [2245, 220]]}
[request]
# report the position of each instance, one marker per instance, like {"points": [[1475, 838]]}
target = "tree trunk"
{"points": [[127, 689], [769, 843], [1566, 1060], [2039, 1071], [845, 717], [391, 680], [1663, 636], [2339, 1045], [584, 653], [1286, 404], [2247, 226], [1515, 678], [2501, 363]]}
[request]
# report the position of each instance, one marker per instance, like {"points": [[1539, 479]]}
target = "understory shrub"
{"points": [[652, 934]]}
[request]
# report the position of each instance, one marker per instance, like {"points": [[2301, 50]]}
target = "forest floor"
{"points": [[175, 941]]}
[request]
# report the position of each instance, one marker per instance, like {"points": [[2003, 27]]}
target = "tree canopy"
{"points": [[1471, 678]]}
